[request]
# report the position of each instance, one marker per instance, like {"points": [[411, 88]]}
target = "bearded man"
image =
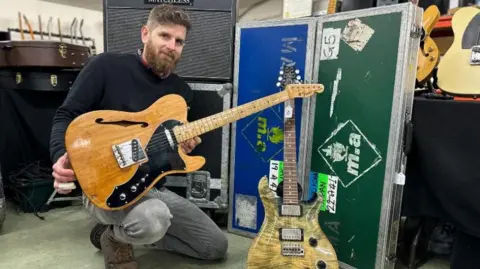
{"points": [[133, 82]]}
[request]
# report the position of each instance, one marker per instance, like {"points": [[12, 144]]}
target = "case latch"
{"points": [[416, 31]]}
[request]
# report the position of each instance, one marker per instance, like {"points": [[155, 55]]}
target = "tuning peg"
{"points": [[279, 84]]}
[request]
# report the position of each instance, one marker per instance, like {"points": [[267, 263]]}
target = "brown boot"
{"points": [[117, 255]]}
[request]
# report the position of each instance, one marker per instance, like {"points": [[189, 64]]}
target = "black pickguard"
{"points": [[471, 35], [161, 158]]}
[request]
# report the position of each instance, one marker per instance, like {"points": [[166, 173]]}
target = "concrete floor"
{"points": [[61, 241]]}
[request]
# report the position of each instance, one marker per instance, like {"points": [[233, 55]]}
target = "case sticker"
{"points": [[357, 34], [246, 211], [327, 188], [335, 90], [330, 44], [276, 174]]}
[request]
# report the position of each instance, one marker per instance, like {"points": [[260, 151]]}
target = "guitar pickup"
{"points": [[129, 153], [291, 234], [291, 210], [293, 249], [475, 56]]}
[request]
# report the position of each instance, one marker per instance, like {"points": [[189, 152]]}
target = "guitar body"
{"points": [[456, 74], [428, 53], [89, 140], [265, 251]]}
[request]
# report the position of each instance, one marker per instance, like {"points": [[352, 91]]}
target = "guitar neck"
{"points": [[332, 6], [290, 189], [199, 127]]}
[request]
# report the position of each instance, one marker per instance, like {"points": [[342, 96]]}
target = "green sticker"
{"points": [[322, 189]]}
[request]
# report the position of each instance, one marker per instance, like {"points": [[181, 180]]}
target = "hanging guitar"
{"points": [[119, 156], [290, 236], [459, 69], [428, 53]]}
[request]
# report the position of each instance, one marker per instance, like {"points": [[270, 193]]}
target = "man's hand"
{"points": [[62, 173], [189, 145]]}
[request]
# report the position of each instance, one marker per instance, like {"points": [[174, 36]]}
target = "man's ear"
{"points": [[145, 32]]}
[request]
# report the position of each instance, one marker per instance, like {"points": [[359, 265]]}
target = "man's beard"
{"points": [[160, 64]]}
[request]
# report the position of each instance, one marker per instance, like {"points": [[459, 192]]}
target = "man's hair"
{"points": [[168, 14]]}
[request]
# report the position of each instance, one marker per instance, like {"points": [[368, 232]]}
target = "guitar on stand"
{"points": [[290, 236]]}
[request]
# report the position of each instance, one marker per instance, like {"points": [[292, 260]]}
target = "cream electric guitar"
{"points": [[459, 69], [290, 236]]}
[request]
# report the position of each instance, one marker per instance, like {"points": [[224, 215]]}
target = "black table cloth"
{"points": [[443, 169], [25, 126]]}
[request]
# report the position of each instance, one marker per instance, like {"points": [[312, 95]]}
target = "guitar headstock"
{"points": [[303, 90], [288, 75]]}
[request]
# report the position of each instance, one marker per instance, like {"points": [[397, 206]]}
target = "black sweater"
{"points": [[115, 82]]}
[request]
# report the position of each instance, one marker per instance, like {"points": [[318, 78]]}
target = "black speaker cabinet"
{"points": [[208, 52]]}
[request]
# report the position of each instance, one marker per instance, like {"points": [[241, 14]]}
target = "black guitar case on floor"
{"points": [[37, 80]]}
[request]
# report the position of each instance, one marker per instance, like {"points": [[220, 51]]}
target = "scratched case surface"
{"points": [[354, 143], [261, 49]]}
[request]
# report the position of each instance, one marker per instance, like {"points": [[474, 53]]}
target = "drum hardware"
{"points": [[73, 31], [81, 33], [59, 30], [49, 27], [20, 26]]}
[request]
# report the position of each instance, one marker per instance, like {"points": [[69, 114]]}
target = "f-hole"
{"points": [[124, 123]]}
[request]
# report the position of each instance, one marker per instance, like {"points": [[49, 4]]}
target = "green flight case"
{"points": [[353, 151]]}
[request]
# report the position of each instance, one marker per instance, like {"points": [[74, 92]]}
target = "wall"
{"points": [[92, 24], [259, 10]]}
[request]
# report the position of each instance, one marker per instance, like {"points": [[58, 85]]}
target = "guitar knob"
{"points": [[321, 265], [133, 188], [313, 242], [123, 196]]}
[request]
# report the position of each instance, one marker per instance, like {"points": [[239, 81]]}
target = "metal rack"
{"points": [[61, 36]]}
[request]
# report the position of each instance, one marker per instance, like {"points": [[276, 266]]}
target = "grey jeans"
{"points": [[166, 221]]}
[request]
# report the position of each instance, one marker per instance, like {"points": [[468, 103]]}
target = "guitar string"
{"points": [[160, 143]]}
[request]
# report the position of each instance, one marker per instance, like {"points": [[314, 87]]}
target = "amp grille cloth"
{"points": [[208, 50]]}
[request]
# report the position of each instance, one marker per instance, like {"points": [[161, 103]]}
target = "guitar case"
{"points": [[37, 80], [42, 54]]}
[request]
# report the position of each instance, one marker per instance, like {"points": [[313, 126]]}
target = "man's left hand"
{"points": [[189, 145]]}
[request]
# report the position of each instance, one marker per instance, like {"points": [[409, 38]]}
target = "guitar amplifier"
{"points": [[208, 52]]}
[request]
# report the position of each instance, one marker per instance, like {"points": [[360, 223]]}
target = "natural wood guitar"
{"points": [[290, 236], [459, 68], [119, 156], [428, 53]]}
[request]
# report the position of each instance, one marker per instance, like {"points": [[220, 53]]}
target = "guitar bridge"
{"points": [[291, 234], [291, 210], [475, 56], [293, 249], [129, 153]]}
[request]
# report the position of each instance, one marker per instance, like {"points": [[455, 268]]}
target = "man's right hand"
{"points": [[62, 173]]}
